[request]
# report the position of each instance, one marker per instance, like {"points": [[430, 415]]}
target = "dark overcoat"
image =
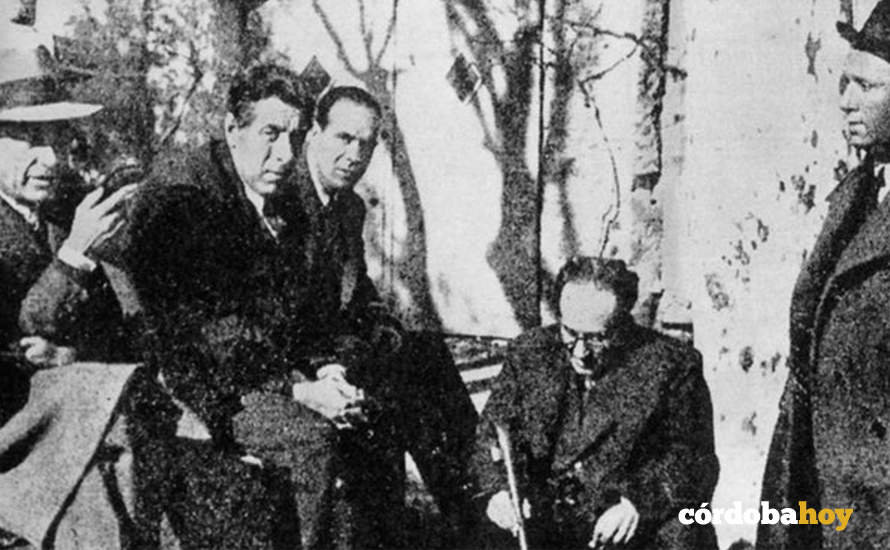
{"points": [[334, 249], [218, 289], [830, 444], [643, 431], [224, 307]]}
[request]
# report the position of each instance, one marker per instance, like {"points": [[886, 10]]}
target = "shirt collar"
{"points": [[257, 200], [28, 213], [882, 171]]}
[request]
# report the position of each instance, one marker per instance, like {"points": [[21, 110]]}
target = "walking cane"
{"points": [[504, 443]]}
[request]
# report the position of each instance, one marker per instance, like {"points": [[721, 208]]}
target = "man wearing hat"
{"points": [[831, 443], [64, 428]]}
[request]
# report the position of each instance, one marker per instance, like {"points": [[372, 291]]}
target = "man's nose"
{"points": [[282, 149], [45, 156], [354, 151], [850, 98]]}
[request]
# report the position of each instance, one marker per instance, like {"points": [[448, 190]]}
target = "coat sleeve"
{"points": [[9, 303], [76, 308], [678, 467], [52, 303]]}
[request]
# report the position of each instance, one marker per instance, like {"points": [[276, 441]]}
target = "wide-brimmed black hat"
{"points": [[874, 37], [31, 78]]}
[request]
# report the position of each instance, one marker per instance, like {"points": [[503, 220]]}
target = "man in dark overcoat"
{"points": [[69, 431], [609, 425], [831, 443], [426, 409]]}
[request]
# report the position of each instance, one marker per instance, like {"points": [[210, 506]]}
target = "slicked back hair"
{"points": [[611, 275], [350, 93], [259, 82]]}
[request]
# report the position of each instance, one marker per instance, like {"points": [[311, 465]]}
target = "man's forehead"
{"points": [[585, 307], [272, 110], [862, 64], [346, 112]]}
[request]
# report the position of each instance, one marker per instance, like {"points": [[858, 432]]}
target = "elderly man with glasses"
{"points": [[609, 425]]}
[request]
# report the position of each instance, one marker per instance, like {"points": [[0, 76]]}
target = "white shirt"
{"points": [[26, 212], [65, 253], [259, 202], [883, 171]]}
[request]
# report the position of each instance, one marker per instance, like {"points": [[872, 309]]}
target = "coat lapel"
{"points": [[337, 240], [850, 204], [311, 210], [250, 226], [872, 242], [613, 409], [866, 243], [17, 234]]}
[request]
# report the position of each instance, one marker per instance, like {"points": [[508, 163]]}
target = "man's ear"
{"points": [[229, 123], [315, 130]]}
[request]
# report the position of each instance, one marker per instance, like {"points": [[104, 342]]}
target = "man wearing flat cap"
{"points": [[831, 443], [63, 424], [606, 426]]}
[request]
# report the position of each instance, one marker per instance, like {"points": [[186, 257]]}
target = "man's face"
{"points": [[865, 99], [30, 159], [343, 149], [585, 312], [261, 149]]}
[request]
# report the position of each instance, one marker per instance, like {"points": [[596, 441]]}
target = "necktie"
{"points": [[272, 217]]}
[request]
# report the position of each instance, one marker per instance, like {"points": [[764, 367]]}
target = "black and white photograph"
{"points": [[444, 274]]}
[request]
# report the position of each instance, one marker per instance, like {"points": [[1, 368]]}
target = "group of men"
{"points": [[264, 397], [275, 396]]}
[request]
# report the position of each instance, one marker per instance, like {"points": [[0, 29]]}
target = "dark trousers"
{"points": [[348, 486], [345, 487], [325, 488]]}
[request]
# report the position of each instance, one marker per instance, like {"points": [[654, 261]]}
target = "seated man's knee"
{"points": [[274, 428]]}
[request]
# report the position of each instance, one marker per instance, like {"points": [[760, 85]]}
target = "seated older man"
{"points": [[605, 425], [71, 434]]}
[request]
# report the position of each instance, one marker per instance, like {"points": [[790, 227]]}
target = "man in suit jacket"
{"points": [[410, 376], [830, 444], [61, 425], [610, 425]]}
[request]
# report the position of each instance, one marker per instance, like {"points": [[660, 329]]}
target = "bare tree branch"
{"points": [[480, 50], [197, 75], [390, 31], [649, 52], [332, 32], [610, 217], [367, 36], [599, 74]]}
